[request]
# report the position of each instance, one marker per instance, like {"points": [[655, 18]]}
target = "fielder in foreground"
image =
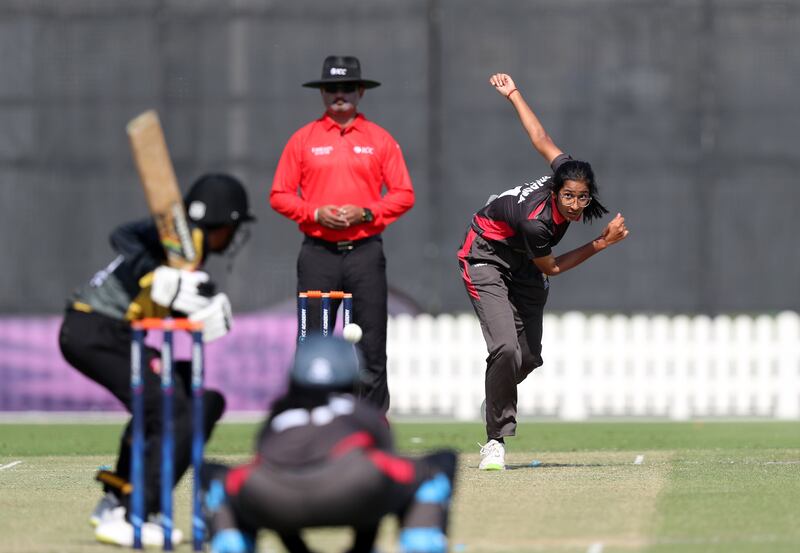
{"points": [[506, 260], [95, 338], [326, 458]]}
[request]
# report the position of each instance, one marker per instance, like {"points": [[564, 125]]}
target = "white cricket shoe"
{"points": [[493, 456], [120, 532], [105, 508]]}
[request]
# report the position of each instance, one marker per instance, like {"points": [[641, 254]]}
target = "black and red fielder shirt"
{"points": [[324, 164], [525, 218], [299, 436]]}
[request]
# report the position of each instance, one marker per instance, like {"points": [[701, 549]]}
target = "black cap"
{"points": [[325, 364], [217, 199], [340, 70]]}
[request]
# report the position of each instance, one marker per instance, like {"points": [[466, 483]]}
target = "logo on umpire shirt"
{"points": [[321, 150], [370, 150]]}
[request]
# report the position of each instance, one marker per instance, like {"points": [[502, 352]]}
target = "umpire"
{"points": [[330, 180]]}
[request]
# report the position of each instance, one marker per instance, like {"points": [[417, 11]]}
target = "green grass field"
{"points": [[731, 487]]}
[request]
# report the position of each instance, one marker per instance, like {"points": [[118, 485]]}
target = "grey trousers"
{"points": [[510, 306]]}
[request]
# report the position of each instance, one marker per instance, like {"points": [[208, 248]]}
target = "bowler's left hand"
{"points": [[615, 231]]}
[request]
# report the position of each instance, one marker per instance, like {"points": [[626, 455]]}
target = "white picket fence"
{"points": [[679, 367]]}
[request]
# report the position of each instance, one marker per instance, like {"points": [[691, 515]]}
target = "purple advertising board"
{"points": [[249, 365]]}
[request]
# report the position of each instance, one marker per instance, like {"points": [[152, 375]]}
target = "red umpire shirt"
{"points": [[335, 165]]}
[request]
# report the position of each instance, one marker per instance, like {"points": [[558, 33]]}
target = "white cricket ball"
{"points": [[352, 333]]}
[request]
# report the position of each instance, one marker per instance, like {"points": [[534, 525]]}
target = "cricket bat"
{"points": [[161, 189]]}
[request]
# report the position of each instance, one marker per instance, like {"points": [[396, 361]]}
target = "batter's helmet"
{"points": [[325, 364], [217, 199]]}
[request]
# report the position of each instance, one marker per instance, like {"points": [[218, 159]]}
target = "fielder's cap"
{"points": [[325, 364], [218, 199], [341, 70]]}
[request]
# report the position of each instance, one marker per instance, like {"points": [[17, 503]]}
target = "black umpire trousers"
{"points": [[100, 348], [361, 271]]}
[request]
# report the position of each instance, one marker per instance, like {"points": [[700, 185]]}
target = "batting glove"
{"points": [[179, 290], [217, 318]]}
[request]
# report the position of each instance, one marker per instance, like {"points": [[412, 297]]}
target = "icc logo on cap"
{"points": [[338, 71]]}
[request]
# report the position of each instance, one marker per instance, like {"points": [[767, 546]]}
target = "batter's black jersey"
{"points": [[524, 218], [122, 289]]}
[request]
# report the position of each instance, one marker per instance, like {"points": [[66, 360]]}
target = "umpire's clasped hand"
{"points": [[331, 216]]}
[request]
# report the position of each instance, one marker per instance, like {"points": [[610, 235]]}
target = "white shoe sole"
{"points": [[121, 533]]}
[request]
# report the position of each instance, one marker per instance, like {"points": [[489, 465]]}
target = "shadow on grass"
{"points": [[538, 465]]}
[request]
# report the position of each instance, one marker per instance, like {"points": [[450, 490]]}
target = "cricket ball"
{"points": [[352, 333]]}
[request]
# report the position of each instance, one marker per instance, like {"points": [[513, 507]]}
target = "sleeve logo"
{"points": [[525, 190], [531, 187]]}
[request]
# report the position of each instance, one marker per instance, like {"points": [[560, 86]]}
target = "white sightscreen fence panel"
{"points": [[677, 368]]}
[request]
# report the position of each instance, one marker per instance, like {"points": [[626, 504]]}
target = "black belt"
{"points": [[343, 245]]}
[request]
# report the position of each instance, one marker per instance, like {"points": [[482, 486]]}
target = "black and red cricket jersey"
{"points": [[524, 218], [295, 437]]}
